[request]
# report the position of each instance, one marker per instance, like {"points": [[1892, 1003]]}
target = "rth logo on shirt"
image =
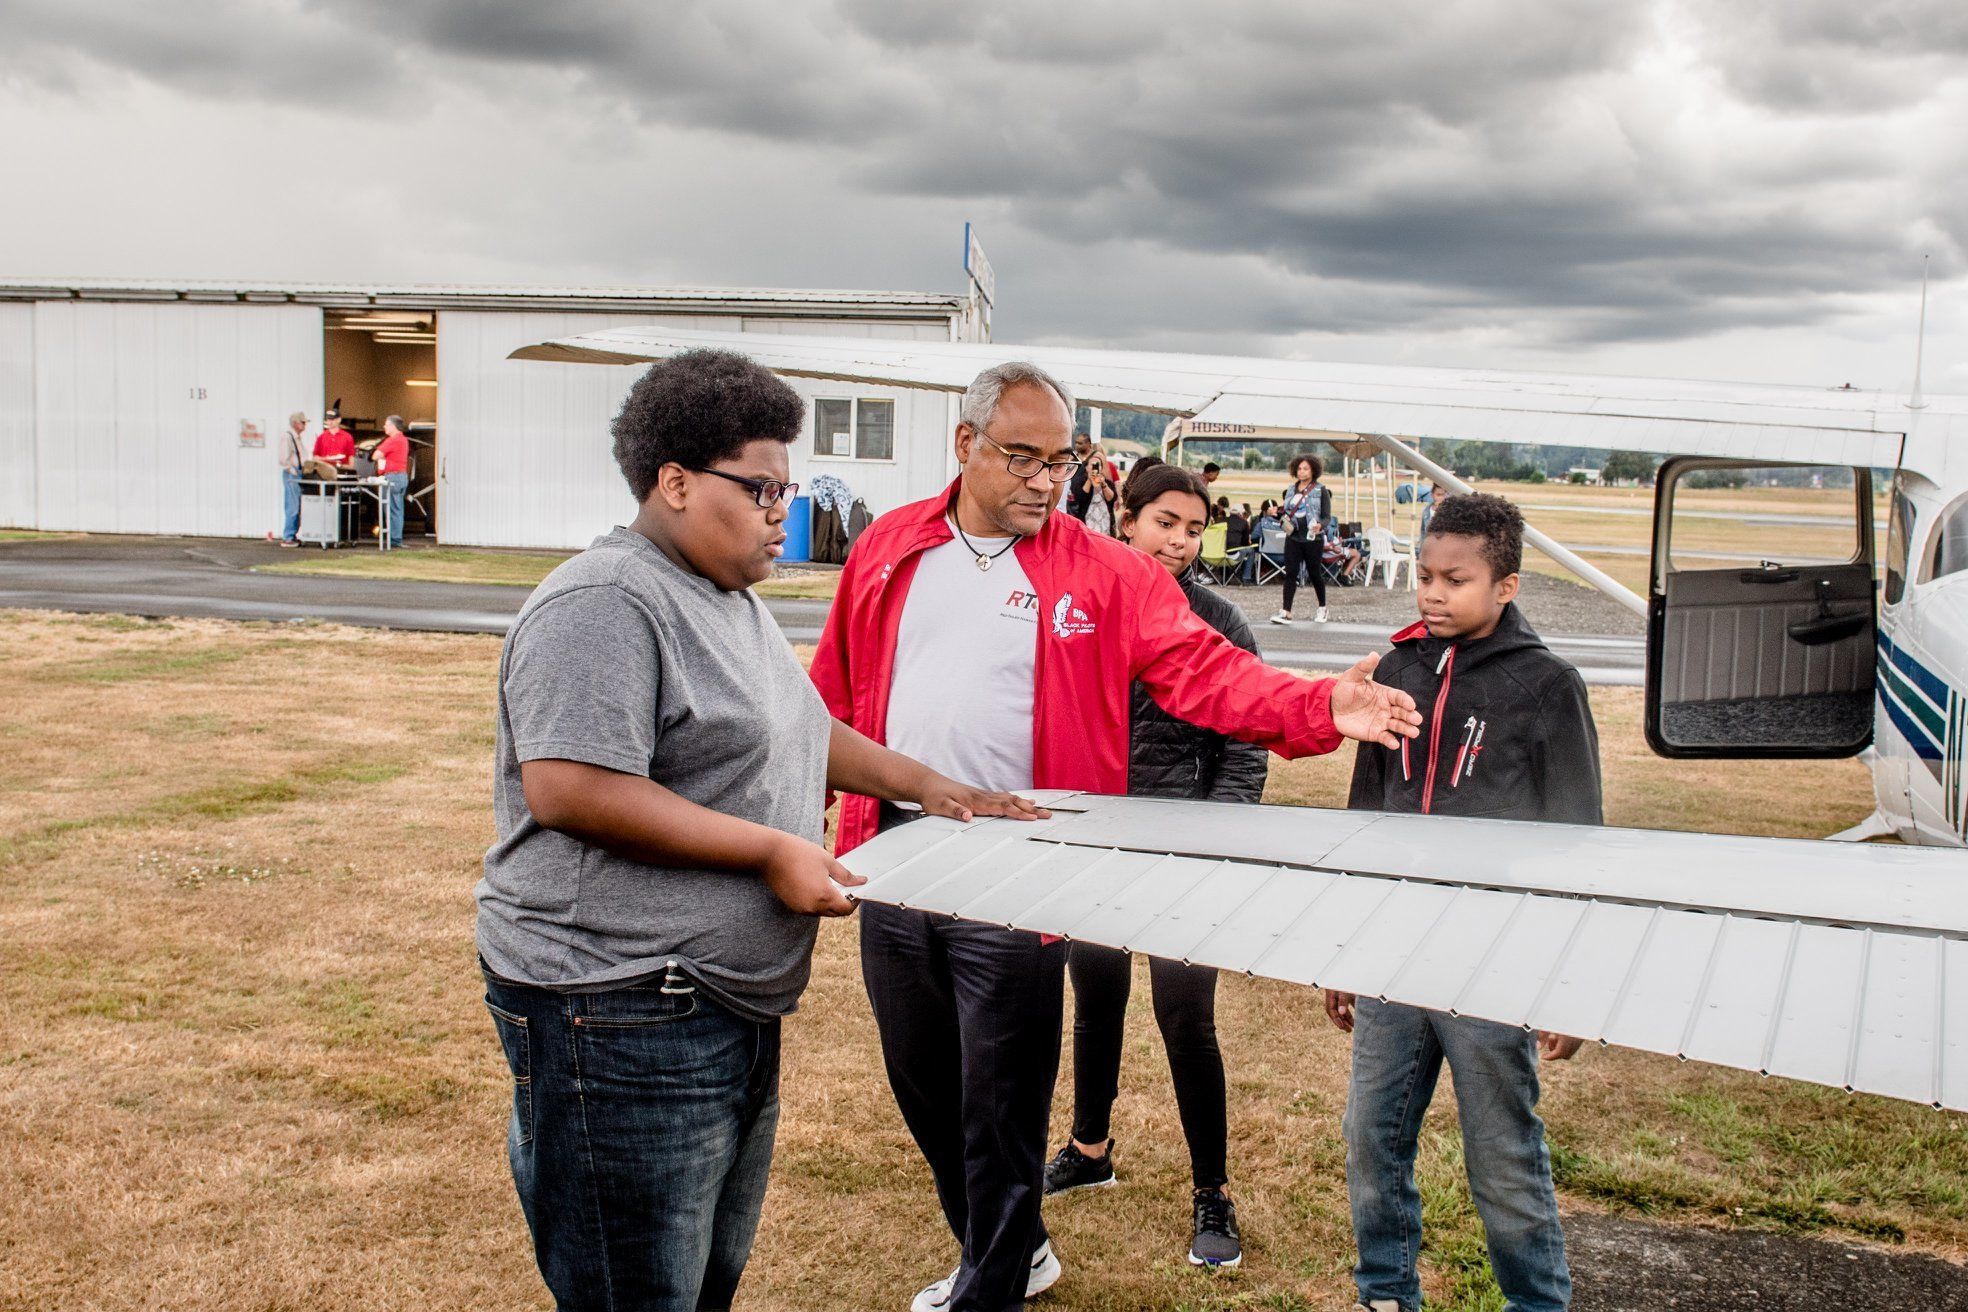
{"points": [[1020, 605], [1068, 619]]}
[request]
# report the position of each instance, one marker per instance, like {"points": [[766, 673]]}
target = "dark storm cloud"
{"points": [[1607, 172]]}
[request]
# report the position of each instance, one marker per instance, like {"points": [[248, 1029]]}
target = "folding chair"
{"points": [[1218, 561], [1269, 564]]}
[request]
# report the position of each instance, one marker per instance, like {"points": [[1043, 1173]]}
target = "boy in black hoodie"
{"points": [[1507, 734]]}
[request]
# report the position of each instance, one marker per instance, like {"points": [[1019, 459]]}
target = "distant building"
{"points": [[155, 407], [1585, 474]]}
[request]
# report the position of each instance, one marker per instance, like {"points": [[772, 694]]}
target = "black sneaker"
{"points": [[1073, 1169], [1216, 1242]]}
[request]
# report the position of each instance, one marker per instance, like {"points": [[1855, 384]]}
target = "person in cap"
{"points": [[334, 444], [292, 462]]}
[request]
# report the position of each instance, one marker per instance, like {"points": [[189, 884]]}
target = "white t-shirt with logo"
{"points": [[960, 699]]}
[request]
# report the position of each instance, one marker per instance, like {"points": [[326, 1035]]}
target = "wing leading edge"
{"points": [[1843, 966], [1259, 398]]}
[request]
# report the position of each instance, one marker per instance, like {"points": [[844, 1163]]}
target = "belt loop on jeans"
{"points": [[676, 982]]}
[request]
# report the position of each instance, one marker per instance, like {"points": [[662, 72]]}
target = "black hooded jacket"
{"points": [[1168, 757], [1506, 731]]}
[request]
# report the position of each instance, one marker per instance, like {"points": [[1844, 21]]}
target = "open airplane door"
{"points": [[1773, 658]]}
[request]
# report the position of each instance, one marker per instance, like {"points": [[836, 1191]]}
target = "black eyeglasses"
{"points": [[768, 492], [1023, 466]]}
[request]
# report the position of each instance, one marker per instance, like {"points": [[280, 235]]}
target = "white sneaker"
{"points": [[1043, 1275], [1282, 618], [1320, 616]]}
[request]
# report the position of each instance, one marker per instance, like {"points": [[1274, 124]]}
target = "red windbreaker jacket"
{"points": [[1108, 615]]}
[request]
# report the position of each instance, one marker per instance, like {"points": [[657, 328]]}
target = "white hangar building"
{"points": [[157, 407]]}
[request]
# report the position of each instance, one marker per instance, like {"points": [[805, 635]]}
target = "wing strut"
{"points": [[1564, 555]]}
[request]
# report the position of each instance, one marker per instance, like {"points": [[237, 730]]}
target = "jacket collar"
{"points": [[927, 524], [1512, 633]]}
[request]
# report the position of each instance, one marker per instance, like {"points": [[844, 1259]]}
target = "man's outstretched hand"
{"points": [[1372, 712]]}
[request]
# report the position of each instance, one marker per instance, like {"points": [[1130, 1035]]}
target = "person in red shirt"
{"points": [[985, 631], [334, 443], [392, 457]]}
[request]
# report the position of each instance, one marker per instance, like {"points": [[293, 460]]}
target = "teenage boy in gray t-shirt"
{"points": [[647, 914]]}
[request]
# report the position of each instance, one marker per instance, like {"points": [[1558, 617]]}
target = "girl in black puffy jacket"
{"points": [[1164, 510]]}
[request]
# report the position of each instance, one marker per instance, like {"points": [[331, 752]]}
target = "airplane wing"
{"points": [[1259, 398], [1839, 965]]}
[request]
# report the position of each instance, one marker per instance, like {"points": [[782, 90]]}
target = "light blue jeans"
{"points": [[399, 489], [1397, 1056], [290, 504]]}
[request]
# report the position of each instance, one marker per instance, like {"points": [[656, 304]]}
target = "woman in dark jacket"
{"points": [[1164, 510]]}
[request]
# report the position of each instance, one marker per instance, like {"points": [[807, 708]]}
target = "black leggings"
{"points": [[1306, 552], [1185, 1009]]}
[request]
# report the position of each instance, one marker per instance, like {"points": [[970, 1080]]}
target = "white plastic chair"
{"points": [[1384, 554]]}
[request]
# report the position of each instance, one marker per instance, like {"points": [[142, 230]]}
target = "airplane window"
{"points": [[1724, 516], [1950, 554], [1899, 541]]}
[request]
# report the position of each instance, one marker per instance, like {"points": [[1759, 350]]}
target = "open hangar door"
{"points": [[380, 363]]}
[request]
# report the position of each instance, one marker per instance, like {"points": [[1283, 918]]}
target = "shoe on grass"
{"points": [[1216, 1242], [1044, 1274], [1072, 1169]]}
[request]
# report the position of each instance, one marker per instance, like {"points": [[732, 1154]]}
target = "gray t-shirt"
{"points": [[624, 660]]}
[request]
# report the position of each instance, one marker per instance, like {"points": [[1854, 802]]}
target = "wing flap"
{"points": [[1844, 965]]}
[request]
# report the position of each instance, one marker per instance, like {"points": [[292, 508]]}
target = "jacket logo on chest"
{"points": [[1068, 619]]}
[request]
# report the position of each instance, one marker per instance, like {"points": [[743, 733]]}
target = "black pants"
{"points": [[969, 1016], [1185, 1011], [1303, 553]]}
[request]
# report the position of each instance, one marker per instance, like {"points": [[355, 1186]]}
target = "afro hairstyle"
{"points": [[698, 408], [1496, 521]]}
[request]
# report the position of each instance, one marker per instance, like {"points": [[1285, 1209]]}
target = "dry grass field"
{"points": [[1619, 521], [244, 1064]]}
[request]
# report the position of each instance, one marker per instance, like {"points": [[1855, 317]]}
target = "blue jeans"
{"points": [[640, 1139], [1397, 1055], [290, 504], [399, 491]]}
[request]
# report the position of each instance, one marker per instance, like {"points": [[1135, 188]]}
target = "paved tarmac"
{"points": [[220, 578]]}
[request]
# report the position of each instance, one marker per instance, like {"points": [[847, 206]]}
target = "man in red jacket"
{"points": [[997, 641]]}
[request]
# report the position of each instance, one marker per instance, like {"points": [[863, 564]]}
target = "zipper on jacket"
{"points": [[1446, 668]]}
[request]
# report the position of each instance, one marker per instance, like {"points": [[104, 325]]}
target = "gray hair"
{"points": [[980, 399], [396, 421]]}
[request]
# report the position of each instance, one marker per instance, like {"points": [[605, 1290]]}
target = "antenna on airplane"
{"points": [[1917, 401]]}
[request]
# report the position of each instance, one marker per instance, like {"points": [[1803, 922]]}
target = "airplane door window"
{"points": [[1761, 610]]}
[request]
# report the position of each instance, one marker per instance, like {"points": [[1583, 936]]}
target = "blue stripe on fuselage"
{"points": [[1923, 678]]}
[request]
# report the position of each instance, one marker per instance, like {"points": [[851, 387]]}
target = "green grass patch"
{"points": [[510, 568], [220, 802], [819, 585], [522, 569], [163, 664]]}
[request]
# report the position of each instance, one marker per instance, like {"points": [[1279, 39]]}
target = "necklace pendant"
{"points": [[983, 562]]}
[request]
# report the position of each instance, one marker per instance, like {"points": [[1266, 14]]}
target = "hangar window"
{"points": [[1949, 554], [856, 428]]}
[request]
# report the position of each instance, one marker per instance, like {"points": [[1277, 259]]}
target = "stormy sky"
{"points": [[1718, 188]]}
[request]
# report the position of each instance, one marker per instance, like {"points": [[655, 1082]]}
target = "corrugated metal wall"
{"points": [[523, 447], [137, 412], [17, 476]]}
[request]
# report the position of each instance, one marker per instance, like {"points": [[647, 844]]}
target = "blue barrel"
{"points": [[799, 531]]}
